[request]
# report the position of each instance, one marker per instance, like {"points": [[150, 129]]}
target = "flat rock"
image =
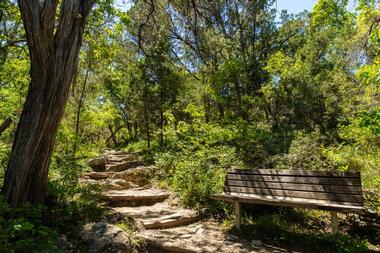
{"points": [[181, 217], [122, 158], [105, 238], [139, 175], [117, 184], [153, 211], [99, 175], [201, 237], [125, 165], [135, 197]]}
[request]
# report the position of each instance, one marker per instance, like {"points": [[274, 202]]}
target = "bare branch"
{"points": [[373, 26], [151, 11]]}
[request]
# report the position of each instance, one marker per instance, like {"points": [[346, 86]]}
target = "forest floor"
{"points": [[162, 222]]}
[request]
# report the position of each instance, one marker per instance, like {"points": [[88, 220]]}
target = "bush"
{"points": [[306, 152], [4, 157], [195, 160], [278, 229], [39, 228], [23, 230]]}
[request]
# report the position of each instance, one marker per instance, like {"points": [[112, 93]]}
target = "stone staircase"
{"points": [[165, 225]]}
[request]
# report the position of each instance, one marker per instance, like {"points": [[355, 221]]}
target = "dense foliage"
{"points": [[207, 85]]}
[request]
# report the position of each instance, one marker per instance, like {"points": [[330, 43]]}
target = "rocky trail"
{"points": [[166, 226]]}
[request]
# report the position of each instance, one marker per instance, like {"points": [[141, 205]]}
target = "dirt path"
{"points": [[165, 225]]}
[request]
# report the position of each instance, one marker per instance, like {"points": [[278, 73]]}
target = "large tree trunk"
{"points": [[54, 49]]}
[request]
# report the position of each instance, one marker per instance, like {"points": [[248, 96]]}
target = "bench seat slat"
{"points": [[295, 173], [354, 199], [357, 190], [302, 180], [289, 202]]}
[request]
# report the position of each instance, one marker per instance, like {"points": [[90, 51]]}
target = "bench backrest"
{"points": [[338, 187]]}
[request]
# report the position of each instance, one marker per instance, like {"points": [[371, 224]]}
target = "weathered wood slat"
{"points": [[298, 194], [357, 190], [289, 202], [330, 191], [301, 180], [295, 173]]}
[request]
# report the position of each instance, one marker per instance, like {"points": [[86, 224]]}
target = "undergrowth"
{"points": [[194, 158], [55, 226], [295, 229]]}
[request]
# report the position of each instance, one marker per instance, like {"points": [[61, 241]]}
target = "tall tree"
{"points": [[54, 48]]}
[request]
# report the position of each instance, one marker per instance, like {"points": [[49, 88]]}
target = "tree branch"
{"points": [[141, 26], [373, 26], [5, 125]]}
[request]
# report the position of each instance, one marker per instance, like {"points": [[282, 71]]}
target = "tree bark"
{"points": [[79, 110], [146, 115], [54, 50], [5, 125], [113, 135]]}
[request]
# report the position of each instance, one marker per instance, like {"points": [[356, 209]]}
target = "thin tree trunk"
{"points": [[206, 105], [54, 50], [130, 134], [147, 127], [113, 133], [5, 125], [146, 119], [79, 109], [162, 118], [136, 132], [162, 123], [113, 137]]}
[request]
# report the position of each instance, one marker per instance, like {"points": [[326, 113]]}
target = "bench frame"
{"points": [[333, 208]]}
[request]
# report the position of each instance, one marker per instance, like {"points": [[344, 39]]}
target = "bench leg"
{"points": [[334, 223], [238, 215]]}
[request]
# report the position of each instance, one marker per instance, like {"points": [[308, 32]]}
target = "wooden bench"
{"points": [[330, 191]]}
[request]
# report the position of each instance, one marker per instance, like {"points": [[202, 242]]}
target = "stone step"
{"points": [[135, 197], [201, 237], [113, 161], [123, 158], [114, 152], [117, 184], [117, 167], [99, 175], [154, 211], [161, 246], [110, 184], [138, 175], [181, 217]]}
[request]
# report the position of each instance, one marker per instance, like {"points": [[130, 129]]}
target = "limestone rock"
{"points": [[182, 217], [117, 184], [153, 211], [139, 175], [98, 164], [98, 175], [135, 197], [201, 237], [125, 165], [105, 238], [122, 158]]}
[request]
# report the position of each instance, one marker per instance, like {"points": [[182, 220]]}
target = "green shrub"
{"points": [[23, 230], [306, 152], [277, 230], [194, 161], [4, 157]]}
